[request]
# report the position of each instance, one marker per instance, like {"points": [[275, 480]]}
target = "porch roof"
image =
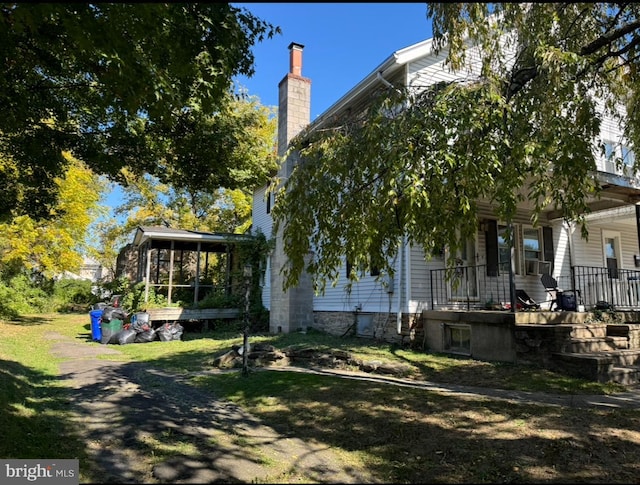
{"points": [[184, 239], [617, 193]]}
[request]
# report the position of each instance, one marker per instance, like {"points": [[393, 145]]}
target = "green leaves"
{"points": [[523, 129], [113, 80]]}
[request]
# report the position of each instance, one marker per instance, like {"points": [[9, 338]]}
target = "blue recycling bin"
{"points": [[96, 330]]}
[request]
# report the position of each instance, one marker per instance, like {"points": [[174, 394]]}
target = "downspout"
{"points": [[400, 288], [570, 227], [383, 80]]}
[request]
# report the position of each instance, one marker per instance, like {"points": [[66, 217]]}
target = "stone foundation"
{"points": [[380, 326]]}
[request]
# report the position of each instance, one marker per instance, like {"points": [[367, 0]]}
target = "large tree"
{"points": [[118, 85], [250, 130], [414, 164]]}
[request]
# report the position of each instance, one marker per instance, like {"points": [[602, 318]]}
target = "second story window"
{"points": [[613, 153], [628, 157]]}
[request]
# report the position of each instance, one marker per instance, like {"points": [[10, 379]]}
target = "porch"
{"points": [[574, 343], [469, 288], [193, 268]]}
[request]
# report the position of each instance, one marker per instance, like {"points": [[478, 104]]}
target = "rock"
{"points": [[394, 369], [228, 359], [263, 347], [370, 366]]}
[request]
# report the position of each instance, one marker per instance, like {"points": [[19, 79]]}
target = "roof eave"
{"points": [[395, 61]]}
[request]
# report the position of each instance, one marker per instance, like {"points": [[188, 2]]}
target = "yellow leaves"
{"points": [[54, 246]]}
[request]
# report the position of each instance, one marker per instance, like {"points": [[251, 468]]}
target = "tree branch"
{"points": [[519, 79], [608, 38]]}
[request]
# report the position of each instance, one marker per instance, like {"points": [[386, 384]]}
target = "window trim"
{"points": [[447, 338], [617, 241], [540, 251]]}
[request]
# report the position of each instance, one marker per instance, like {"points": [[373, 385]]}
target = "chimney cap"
{"points": [[296, 45]]}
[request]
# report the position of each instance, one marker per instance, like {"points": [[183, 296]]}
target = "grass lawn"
{"points": [[398, 434]]}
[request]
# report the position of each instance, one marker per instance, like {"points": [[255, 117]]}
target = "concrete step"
{"points": [[595, 344], [629, 330], [608, 366], [622, 357], [626, 375], [588, 330]]}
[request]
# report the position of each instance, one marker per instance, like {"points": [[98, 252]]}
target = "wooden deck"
{"points": [[177, 314]]}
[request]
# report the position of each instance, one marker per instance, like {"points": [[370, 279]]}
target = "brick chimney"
{"points": [[294, 100], [295, 59], [292, 309]]}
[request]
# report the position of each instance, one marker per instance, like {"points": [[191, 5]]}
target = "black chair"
{"points": [[526, 301], [551, 287]]}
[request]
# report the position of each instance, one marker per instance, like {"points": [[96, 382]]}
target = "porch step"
{"points": [[621, 366], [595, 344], [621, 357], [625, 375], [588, 330]]}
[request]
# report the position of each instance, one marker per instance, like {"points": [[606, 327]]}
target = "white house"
{"points": [[604, 268]]}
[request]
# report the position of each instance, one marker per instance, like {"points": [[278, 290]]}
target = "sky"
{"points": [[343, 43]]}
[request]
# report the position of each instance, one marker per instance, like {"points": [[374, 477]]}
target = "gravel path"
{"points": [[127, 412]]}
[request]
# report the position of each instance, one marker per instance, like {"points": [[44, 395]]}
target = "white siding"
{"points": [[420, 279], [263, 221], [367, 293], [266, 285], [259, 217], [590, 253], [431, 69]]}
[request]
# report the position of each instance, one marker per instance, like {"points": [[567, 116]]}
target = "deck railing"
{"points": [[617, 287], [469, 287]]}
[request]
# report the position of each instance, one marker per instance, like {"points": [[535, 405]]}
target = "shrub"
{"points": [[133, 298], [218, 299], [20, 295], [69, 293]]}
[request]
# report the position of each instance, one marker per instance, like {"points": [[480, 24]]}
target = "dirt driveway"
{"points": [[126, 412]]}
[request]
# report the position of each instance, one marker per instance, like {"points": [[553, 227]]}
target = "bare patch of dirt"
{"points": [[264, 355]]}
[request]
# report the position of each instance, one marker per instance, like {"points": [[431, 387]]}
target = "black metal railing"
{"points": [[617, 287], [467, 287]]}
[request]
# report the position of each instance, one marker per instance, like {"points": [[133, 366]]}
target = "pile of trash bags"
{"points": [[113, 329]]}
